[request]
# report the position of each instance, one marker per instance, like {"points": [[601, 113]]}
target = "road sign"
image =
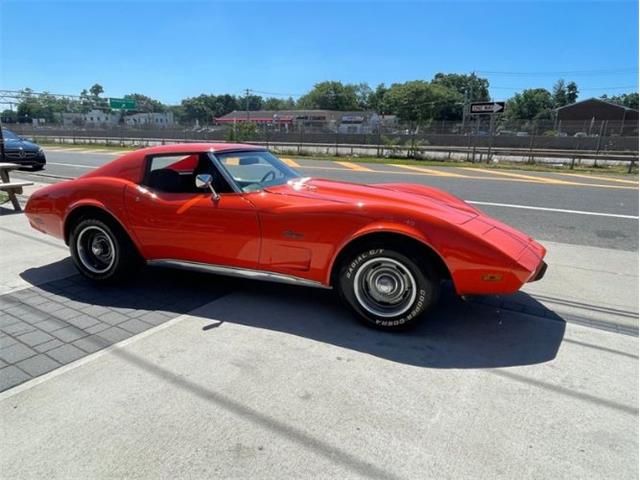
{"points": [[487, 108], [122, 103]]}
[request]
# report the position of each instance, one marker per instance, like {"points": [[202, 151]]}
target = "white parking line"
{"points": [[559, 210]]}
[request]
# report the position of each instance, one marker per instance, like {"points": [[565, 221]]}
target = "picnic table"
{"points": [[12, 188]]}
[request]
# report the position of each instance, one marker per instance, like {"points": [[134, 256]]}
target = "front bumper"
{"points": [[25, 158], [539, 273]]}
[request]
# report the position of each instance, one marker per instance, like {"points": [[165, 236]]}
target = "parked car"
{"points": [[239, 210], [21, 151]]}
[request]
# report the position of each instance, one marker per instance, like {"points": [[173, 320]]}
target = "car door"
{"points": [[172, 220]]}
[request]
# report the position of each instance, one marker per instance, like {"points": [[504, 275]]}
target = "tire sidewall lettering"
{"points": [[422, 298], [353, 266]]}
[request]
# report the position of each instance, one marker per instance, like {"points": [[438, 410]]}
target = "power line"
{"points": [[580, 89], [584, 73]]}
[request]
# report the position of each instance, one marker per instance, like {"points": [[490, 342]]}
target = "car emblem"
{"points": [[22, 153], [292, 234]]}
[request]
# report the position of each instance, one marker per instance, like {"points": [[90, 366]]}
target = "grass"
{"points": [[85, 146], [3, 197], [615, 169]]}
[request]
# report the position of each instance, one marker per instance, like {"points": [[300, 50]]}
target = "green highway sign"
{"points": [[122, 103]]}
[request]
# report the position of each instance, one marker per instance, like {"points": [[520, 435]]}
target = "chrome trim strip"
{"points": [[237, 272]]}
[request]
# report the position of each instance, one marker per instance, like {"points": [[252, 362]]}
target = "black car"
{"points": [[20, 151]]}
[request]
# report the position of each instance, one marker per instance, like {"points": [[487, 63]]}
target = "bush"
{"points": [[242, 132]]}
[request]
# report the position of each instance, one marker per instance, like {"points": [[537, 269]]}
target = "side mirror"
{"points": [[204, 180]]}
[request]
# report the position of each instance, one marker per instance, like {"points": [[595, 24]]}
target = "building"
{"points": [[93, 118], [98, 118], [309, 120], [595, 116], [153, 119]]}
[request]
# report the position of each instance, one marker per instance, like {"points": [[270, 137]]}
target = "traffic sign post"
{"points": [[491, 109], [486, 108], [122, 103]]}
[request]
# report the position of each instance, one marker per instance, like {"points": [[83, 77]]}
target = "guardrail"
{"points": [[471, 153]]}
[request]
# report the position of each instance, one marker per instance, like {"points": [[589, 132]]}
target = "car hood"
{"points": [[10, 144], [398, 195]]}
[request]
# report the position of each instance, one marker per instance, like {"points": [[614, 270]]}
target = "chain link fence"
{"points": [[541, 141]]}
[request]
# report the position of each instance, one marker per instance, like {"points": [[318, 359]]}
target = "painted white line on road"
{"points": [[558, 210], [75, 165]]}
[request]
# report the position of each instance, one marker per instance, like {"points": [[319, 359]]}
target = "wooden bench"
{"points": [[12, 188]]}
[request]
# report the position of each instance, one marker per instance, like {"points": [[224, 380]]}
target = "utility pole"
{"points": [[468, 98], [247, 102], [464, 110]]}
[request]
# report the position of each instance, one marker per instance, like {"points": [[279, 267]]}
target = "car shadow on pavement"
{"points": [[456, 334]]}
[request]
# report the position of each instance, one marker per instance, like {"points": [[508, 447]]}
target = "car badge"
{"points": [[292, 234]]}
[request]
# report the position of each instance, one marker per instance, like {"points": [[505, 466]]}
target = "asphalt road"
{"points": [[575, 209]]}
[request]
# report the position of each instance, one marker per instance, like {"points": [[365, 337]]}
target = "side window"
{"points": [[249, 169], [177, 173]]}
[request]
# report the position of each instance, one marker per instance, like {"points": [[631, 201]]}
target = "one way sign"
{"points": [[487, 107]]}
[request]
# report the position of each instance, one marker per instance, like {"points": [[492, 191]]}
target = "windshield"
{"points": [[9, 135], [255, 170]]}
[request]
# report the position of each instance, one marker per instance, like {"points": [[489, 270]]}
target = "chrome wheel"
{"points": [[384, 287], [96, 250]]}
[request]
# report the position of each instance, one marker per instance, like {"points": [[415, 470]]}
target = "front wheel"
{"points": [[388, 289], [102, 251]]}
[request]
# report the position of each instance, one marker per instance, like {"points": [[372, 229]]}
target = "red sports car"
{"points": [[239, 210]]}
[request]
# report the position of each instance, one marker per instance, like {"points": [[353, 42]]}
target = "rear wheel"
{"points": [[101, 250], [388, 289]]}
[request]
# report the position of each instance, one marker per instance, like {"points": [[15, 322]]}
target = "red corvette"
{"points": [[239, 210]]}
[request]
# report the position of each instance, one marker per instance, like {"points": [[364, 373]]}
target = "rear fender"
{"points": [[116, 211]]}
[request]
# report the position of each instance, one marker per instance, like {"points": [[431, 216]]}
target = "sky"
{"points": [[171, 50]]}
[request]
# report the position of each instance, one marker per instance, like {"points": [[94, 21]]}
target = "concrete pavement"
{"points": [[271, 381]]}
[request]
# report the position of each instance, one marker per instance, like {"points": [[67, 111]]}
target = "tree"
{"points": [[9, 116], [205, 108], [419, 101], [629, 100], [254, 102], [273, 103], [559, 94], [146, 104], [477, 87], [564, 94], [96, 90], [534, 103], [376, 99], [330, 96], [363, 95], [572, 92]]}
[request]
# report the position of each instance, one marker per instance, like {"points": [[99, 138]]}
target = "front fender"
{"points": [[406, 230]]}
